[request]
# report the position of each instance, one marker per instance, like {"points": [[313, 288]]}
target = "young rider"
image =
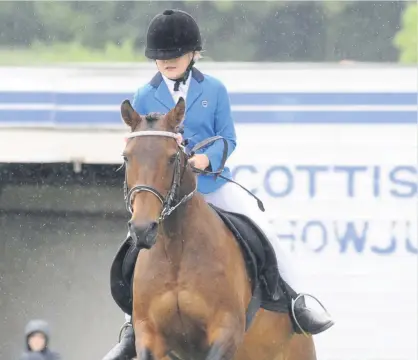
{"points": [[174, 42]]}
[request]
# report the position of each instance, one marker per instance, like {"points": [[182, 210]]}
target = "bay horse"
{"points": [[191, 288]]}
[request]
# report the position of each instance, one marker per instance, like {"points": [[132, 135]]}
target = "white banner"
{"points": [[344, 202]]}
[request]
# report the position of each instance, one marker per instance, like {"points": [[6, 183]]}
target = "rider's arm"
{"points": [[224, 126]]}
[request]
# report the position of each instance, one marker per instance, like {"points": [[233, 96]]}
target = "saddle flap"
{"points": [[256, 248]]}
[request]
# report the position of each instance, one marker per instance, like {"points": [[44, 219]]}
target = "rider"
{"points": [[174, 42]]}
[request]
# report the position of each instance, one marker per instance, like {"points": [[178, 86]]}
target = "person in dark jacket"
{"points": [[37, 338], [32, 356]]}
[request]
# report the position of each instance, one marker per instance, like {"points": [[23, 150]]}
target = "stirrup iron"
{"points": [[124, 326]]}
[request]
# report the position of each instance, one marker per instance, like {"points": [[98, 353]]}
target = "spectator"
{"points": [[32, 356], [37, 338]]}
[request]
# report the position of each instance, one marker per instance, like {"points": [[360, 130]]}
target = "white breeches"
{"points": [[231, 197]]}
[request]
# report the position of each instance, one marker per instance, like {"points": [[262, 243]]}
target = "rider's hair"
{"points": [[197, 56]]}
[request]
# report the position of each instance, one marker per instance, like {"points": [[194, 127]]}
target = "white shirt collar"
{"points": [[183, 88]]}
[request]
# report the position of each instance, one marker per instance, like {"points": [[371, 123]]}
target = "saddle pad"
{"points": [[257, 248]]}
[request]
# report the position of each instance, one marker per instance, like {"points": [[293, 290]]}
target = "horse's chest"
{"points": [[176, 267]]}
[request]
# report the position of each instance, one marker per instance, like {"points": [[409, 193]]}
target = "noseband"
{"points": [[168, 202]]}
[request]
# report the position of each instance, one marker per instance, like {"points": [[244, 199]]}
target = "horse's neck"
{"points": [[194, 229], [190, 218], [182, 223]]}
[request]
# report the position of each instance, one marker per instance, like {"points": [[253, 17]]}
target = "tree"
{"points": [[406, 39], [232, 31]]}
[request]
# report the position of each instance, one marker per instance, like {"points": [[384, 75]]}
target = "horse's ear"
{"points": [[176, 115], [129, 115]]}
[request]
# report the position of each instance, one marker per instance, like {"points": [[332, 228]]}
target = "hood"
{"points": [[37, 326]]}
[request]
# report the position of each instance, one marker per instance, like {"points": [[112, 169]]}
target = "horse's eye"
{"points": [[172, 159], [125, 159]]}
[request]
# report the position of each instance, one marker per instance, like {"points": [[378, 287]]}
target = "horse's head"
{"points": [[158, 178]]}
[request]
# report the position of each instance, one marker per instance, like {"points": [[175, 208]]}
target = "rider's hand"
{"points": [[199, 161]]}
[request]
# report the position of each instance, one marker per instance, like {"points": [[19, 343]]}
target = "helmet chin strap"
{"points": [[185, 76]]}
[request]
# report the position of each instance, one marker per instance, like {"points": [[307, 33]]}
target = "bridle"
{"points": [[168, 202]]}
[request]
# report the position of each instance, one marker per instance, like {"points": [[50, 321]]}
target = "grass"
{"points": [[39, 54]]}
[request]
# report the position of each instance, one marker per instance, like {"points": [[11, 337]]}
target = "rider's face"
{"points": [[174, 68]]}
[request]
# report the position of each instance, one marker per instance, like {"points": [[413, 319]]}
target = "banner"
{"points": [[340, 189], [343, 200]]}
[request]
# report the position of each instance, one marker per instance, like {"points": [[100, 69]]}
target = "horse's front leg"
{"points": [[225, 334], [149, 344]]}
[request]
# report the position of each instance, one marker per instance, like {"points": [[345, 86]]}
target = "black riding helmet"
{"points": [[171, 35]]}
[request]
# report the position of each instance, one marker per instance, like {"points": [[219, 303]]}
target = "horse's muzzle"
{"points": [[144, 235]]}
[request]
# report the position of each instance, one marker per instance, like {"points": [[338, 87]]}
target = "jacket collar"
{"points": [[162, 94]]}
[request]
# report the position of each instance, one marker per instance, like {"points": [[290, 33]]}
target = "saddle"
{"points": [[258, 253]]}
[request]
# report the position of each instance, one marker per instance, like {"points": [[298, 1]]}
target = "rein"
{"points": [[168, 202]]}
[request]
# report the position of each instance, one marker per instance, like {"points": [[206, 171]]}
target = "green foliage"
{"points": [[406, 39], [358, 37], [60, 52], [232, 31]]}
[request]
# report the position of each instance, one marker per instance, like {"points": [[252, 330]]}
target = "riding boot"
{"points": [[125, 349], [306, 320]]}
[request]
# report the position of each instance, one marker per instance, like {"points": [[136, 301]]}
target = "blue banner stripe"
{"points": [[327, 117], [89, 117], [324, 99], [62, 98], [298, 117], [26, 116], [25, 97]]}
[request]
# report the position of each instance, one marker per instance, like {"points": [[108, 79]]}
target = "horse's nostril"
{"points": [[143, 234], [153, 226], [142, 228]]}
